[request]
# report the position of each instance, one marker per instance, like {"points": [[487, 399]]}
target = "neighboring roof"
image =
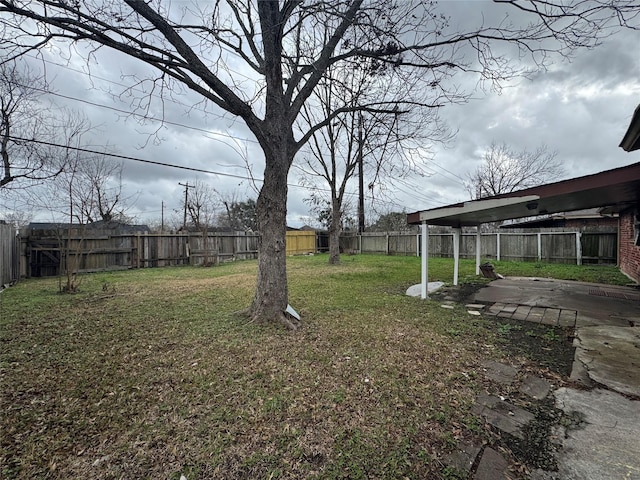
{"points": [[631, 139], [51, 225], [100, 225], [618, 189], [558, 219]]}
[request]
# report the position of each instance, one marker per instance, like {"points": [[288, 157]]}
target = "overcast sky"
{"points": [[580, 109]]}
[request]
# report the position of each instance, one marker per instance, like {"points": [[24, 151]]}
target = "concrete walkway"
{"points": [[605, 443]]}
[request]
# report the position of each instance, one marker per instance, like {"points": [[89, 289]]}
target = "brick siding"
{"points": [[629, 252]]}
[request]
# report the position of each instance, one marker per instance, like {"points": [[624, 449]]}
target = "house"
{"points": [[584, 220], [630, 217]]}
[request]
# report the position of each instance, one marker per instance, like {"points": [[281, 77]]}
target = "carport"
{"points": [[616, 190]]}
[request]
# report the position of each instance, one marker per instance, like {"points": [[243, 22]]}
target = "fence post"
{"points": [[498, 246], [417, 244], [539, 246], [578, 249], [386, 249], [478, 247]]}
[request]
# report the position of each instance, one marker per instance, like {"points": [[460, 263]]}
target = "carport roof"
{"points": [[617, 189]]}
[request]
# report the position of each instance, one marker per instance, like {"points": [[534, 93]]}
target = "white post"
{"points": [[539, 246], [424, 293], [478, 245], [578, 249], [457, 232], [498, 246]]}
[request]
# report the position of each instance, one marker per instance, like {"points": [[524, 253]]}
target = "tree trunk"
{"points": [[335, 229], [271, 297]]}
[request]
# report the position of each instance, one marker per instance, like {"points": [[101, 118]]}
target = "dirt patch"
{"points": [[462, 293], [549, 347]]}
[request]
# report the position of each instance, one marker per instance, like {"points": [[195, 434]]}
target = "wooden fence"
{"points": [[91, 251], [44, 252], [9, 255], [552, 247]]}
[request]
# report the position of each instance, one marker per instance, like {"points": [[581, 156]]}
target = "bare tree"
{"points": [[377, 143], [97, 190], [202, 205], [28, 127], [505, 170], [284, 48]]}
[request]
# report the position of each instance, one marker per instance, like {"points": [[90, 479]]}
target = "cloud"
{"points": [[579, 108]]}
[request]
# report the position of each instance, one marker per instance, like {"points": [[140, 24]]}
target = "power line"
{"points": [[459, 180], [162, 164]]}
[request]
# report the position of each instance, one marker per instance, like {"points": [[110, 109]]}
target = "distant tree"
{"points": [[97, 190], [18, 218], [391, 222], [29, 124], [505, 170], [202, 206], [239, 216], [322, 212]]}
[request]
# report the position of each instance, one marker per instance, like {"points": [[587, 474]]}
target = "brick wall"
{"points": [[629, 252]]}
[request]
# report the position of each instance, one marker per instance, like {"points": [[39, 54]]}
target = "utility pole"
{"points": [[162, 217], [186, 201], [360, 178]]}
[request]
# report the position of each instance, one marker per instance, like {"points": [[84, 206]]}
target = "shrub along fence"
{"points": [[9, 255]]}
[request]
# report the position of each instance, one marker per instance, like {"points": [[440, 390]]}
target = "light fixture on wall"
{"points": [[532, 205]]}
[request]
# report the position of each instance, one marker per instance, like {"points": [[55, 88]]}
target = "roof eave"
{"points": [[631, 139]]}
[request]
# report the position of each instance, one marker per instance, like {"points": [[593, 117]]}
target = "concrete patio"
{"points": [[606, 369]]}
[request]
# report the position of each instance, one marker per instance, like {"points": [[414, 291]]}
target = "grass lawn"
{"points": [[149, 374]]}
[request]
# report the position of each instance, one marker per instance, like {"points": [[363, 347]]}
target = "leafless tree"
{"points": [[29, 124], [202, 205], [97, 190], [261, 60], [373, 142], [505, 170]]}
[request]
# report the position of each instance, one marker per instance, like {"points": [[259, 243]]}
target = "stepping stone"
{"points": [[473, 312], [537, 388], [510, 308], [477, 306], [493, 466], [551, 316], [536, 314], [521, 313], [449, 307], [501, 414], [496, 308], [567, 318], [499, 372], [463, 458]]}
